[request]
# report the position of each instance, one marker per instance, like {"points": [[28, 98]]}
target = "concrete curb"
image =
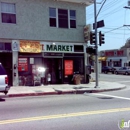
{"points": [[58, 92], [32, 94], [106, 90]]}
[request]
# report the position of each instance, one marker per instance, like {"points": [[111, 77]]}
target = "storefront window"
{"points": [[116, 64], [27, 70], [79, 65]]}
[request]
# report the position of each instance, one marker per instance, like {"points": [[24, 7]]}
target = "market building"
{"points": [[43, 33]]}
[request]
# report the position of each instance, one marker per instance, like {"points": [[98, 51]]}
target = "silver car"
{"points": [[123, 70]]}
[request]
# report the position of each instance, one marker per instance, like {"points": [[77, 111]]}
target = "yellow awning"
{"points": [[102, 58]]}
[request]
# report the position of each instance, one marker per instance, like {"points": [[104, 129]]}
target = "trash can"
{"points": [[77, 78]]}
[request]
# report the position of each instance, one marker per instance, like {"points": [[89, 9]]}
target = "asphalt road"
{"points": [[123, 79], [88, 111]]}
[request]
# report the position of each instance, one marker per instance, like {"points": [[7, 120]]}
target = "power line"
{"points": [[119, 33], [114, 37], [105, 8], [113, 29], [110, 12]]}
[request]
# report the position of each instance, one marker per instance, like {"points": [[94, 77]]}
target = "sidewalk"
{"points": [[17, 91]]}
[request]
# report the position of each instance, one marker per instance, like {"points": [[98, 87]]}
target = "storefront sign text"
{"points": [[120, 53], [30, 46], [59, 48], [114, 53]]}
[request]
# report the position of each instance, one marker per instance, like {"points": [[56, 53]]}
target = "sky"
{"points": [[115, 16]]}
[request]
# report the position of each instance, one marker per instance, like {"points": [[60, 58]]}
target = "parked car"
{"points": [[4, 87], [107, 69], [123, 70]]}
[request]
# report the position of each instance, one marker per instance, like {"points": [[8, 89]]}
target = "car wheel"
{"points": [[126, 73], [116, 72]]}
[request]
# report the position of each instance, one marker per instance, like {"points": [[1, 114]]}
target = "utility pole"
{"points": [[96, 44]]}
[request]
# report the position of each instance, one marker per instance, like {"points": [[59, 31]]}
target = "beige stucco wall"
{"points": [[128, 54], [33, 22]]}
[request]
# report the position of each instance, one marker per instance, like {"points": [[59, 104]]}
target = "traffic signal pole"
{"points": [[96, 44]]}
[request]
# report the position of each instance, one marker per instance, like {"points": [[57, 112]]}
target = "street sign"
{"points": [[99, 24]]}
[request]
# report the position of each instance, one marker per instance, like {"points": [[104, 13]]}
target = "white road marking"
{"points": [[125, 98], [124, 81]]}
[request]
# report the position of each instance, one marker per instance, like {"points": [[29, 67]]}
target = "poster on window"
{"points": [[35, 69], [22, 64], [68, 67]]}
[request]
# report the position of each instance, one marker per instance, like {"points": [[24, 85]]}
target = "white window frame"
{"points": [[71, 18], [52, 16], [8, 12], [58, 19], [57, 23]]}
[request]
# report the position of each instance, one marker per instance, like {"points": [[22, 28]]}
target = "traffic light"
{"points": [[101, 38], [92, 38], [91, 50]]}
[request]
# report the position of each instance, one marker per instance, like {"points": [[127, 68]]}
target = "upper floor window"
{"points": [[8, 12], [52, 13], [62, 18], [72, 19]]}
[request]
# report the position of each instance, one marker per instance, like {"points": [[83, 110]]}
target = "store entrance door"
{"points": [[54, 67]]}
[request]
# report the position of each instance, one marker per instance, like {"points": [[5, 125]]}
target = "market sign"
{"points": [[22, 64], [30, 46], [58, 48], [68, 64]]}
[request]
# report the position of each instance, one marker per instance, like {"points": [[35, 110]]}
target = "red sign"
{"points": [[120, 53], [22, 64], [109, 53], [68, 67]]}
